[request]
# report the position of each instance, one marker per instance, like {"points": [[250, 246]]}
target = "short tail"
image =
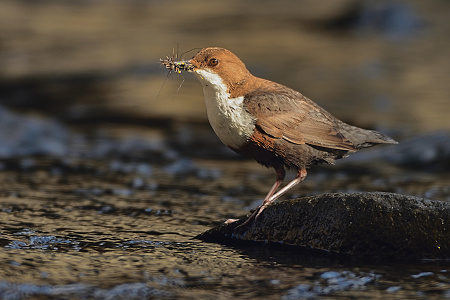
{"points": [[363, 138], [376, 137]]}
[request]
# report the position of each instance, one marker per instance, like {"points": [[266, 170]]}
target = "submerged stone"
{"points": [[362, 224]]}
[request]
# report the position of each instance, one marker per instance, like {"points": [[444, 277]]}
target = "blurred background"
{"points": [[378, 64], [109, 168]]}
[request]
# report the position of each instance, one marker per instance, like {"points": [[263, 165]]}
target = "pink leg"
{"points": [[301, 175], [281, 173]]}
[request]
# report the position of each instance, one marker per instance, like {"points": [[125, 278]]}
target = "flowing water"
{"points": [[103, 187], [112, 215]]}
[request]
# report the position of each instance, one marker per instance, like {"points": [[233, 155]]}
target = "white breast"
{"points": [[227, 116]]}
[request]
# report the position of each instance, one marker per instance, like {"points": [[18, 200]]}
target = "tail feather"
{"points": [[376, 137], [363, 138]]}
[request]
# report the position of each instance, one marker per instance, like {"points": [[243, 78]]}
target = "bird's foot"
{"points": [[254, 215], [229, 221], [260, 209]]}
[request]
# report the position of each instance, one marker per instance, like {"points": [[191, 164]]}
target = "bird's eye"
{"points": [[213, 62]]}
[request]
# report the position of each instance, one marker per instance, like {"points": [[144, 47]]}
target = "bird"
{"points": [[277, 126]]}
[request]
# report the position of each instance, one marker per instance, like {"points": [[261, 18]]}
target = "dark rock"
{"points": [[374, 224]]}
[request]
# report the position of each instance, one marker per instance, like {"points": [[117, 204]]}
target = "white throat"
{"points": [[230, 120]]}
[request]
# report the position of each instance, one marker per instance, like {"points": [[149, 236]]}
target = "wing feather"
{"points": [[290, 116]]}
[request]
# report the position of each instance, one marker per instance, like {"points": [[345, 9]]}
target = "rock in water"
{"points": [[383, 225]]}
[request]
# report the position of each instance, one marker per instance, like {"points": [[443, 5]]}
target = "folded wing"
{"points": [[292, 117]]}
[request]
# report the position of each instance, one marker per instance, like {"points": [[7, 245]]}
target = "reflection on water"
{"points": [[117, 218]]}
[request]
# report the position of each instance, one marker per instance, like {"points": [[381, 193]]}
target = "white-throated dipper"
{"points": [[267, 121]]}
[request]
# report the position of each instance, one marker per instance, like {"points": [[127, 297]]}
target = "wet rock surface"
{"points": [[381, 225]]}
